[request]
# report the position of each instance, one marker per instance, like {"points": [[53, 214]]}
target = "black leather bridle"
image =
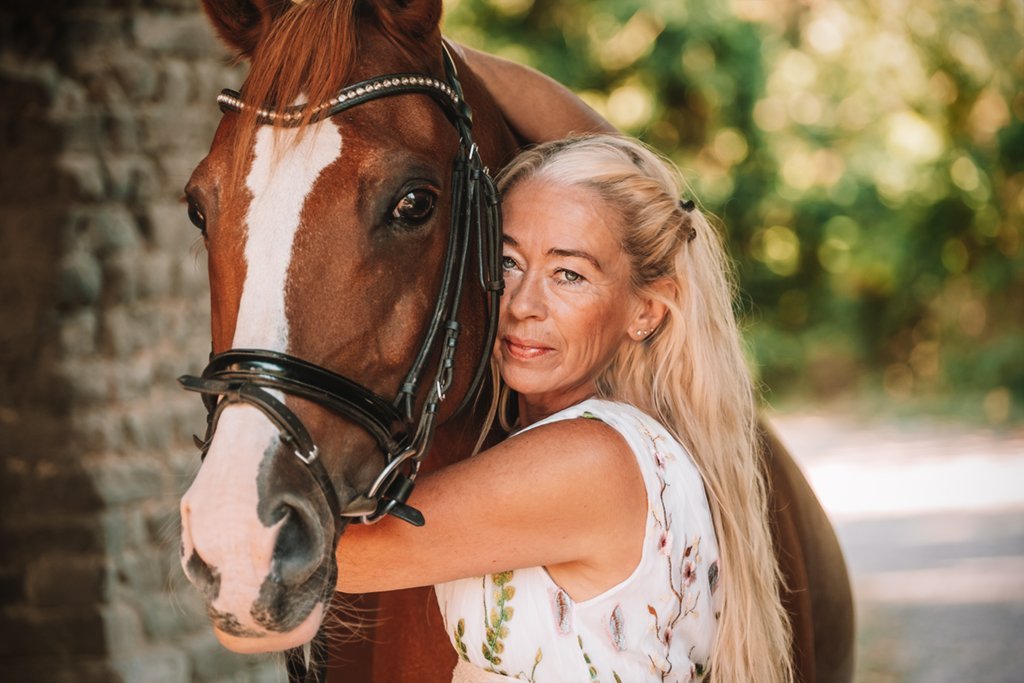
{"points": [[249, 376]]}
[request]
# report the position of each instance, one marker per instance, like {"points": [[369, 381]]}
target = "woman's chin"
{"points": [[273, 642]]}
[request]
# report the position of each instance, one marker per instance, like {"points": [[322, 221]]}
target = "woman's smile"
{"points": [[525, 349]]}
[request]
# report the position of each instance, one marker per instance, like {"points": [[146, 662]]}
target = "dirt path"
{"points": [[931, 517]]}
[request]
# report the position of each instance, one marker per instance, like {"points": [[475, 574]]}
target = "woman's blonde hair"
{"points": [[691, 374]]}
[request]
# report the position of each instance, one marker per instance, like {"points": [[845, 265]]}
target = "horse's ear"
{"points": [[242, 23], [414, 18]]}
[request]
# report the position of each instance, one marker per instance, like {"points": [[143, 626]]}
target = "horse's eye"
{"points": [[196, 216], [416, 207]]}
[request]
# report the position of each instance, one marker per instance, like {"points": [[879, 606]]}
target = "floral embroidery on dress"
{"points": [[496, 627], [661, 458], [494, 622], [591, 669], [665, 543], [615, 629], [563, 611], [680, 579], [586, 658], [460, 645]]}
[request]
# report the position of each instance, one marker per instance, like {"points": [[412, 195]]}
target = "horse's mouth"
{"points": [[279, 608], [280, 617], [228, 623], [242, 640]]}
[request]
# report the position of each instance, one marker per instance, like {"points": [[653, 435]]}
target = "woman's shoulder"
{"points": [[581, 428], [623, 430], [621, 416], [584, 437], [598, 409], [599, 426]]}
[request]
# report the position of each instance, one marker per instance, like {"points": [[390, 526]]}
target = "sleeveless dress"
{"points": [[656, 625]]}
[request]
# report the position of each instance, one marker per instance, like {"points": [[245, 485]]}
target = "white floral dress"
{"points": [[657, 625]]}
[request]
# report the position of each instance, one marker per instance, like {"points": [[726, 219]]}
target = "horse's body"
{"points": [[312, 254]]}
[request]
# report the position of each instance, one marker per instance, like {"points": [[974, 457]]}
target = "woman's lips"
{"points": [[524, 349]]}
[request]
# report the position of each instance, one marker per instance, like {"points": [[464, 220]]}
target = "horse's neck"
{"points": [[455, 439]]}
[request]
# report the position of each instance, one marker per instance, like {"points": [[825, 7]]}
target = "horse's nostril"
{"points": [[297, 552], [203, 576]]}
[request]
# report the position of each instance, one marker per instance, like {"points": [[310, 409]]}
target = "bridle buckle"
{"points": [[308, 458]]}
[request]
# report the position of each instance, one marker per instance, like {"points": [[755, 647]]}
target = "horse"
{"points": [[340, 232]]}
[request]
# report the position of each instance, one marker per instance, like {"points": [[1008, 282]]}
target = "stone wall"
{"points": [[105, 107]]}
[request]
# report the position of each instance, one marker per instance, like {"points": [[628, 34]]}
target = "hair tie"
{"points": [[687, 205]]}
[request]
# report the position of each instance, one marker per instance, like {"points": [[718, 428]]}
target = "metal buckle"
{"points": [[384, 478], [308, 459]]}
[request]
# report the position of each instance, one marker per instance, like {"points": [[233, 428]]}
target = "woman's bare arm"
{"points": [[564, 495], [537, 107]]}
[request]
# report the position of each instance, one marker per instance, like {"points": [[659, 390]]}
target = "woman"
{"points": [[621, 533]]}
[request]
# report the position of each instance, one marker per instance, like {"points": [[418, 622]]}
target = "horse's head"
{"points": [[331, 254]]}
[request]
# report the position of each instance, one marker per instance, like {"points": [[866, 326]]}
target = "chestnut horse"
{"points": [[329, 242]]}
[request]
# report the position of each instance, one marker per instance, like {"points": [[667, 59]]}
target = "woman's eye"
{"points": [[416, 207], [197, 217], [570, 275], [508, 263]]}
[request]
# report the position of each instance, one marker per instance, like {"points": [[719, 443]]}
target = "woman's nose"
{"points": [[526, 298]]}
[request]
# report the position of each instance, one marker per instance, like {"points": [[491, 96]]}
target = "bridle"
{"points": [[253, 376]]}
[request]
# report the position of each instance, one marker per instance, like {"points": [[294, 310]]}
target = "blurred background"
{"points": [[865, 157]]}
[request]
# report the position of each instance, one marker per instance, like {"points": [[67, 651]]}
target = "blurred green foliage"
{"points": [[865, 156]]}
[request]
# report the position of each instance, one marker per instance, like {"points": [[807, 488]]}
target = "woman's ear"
{"points": [[652, 309], [242, 23], [417, 19]]}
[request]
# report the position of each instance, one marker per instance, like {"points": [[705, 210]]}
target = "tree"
{"points": [[866, 156]]}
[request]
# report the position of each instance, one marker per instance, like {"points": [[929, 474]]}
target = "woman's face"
{"points": [[568, 304]]}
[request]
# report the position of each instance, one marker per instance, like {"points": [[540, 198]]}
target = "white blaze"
{"points": [[221, 504], [282, 176]]}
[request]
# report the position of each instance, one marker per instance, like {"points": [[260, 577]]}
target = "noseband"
{"points": [[253, 376]]}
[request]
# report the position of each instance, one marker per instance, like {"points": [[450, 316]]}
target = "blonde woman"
{"points": [[621, 533]]}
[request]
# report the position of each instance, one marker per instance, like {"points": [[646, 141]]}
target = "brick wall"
{"points": [[105, 107]]}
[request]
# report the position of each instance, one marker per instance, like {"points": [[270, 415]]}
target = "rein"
{"points": [[254, 376]]}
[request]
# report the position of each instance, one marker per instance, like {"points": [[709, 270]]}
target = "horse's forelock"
{"points": [[308, 51]]}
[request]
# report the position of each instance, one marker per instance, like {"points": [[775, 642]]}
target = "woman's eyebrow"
{"points": [[558, 251], [575, 253]]}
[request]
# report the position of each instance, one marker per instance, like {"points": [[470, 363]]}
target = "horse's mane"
{"points": [[309, 51]]}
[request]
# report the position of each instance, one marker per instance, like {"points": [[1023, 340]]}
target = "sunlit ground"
{"points": [[931, 517], [885, 470]]}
